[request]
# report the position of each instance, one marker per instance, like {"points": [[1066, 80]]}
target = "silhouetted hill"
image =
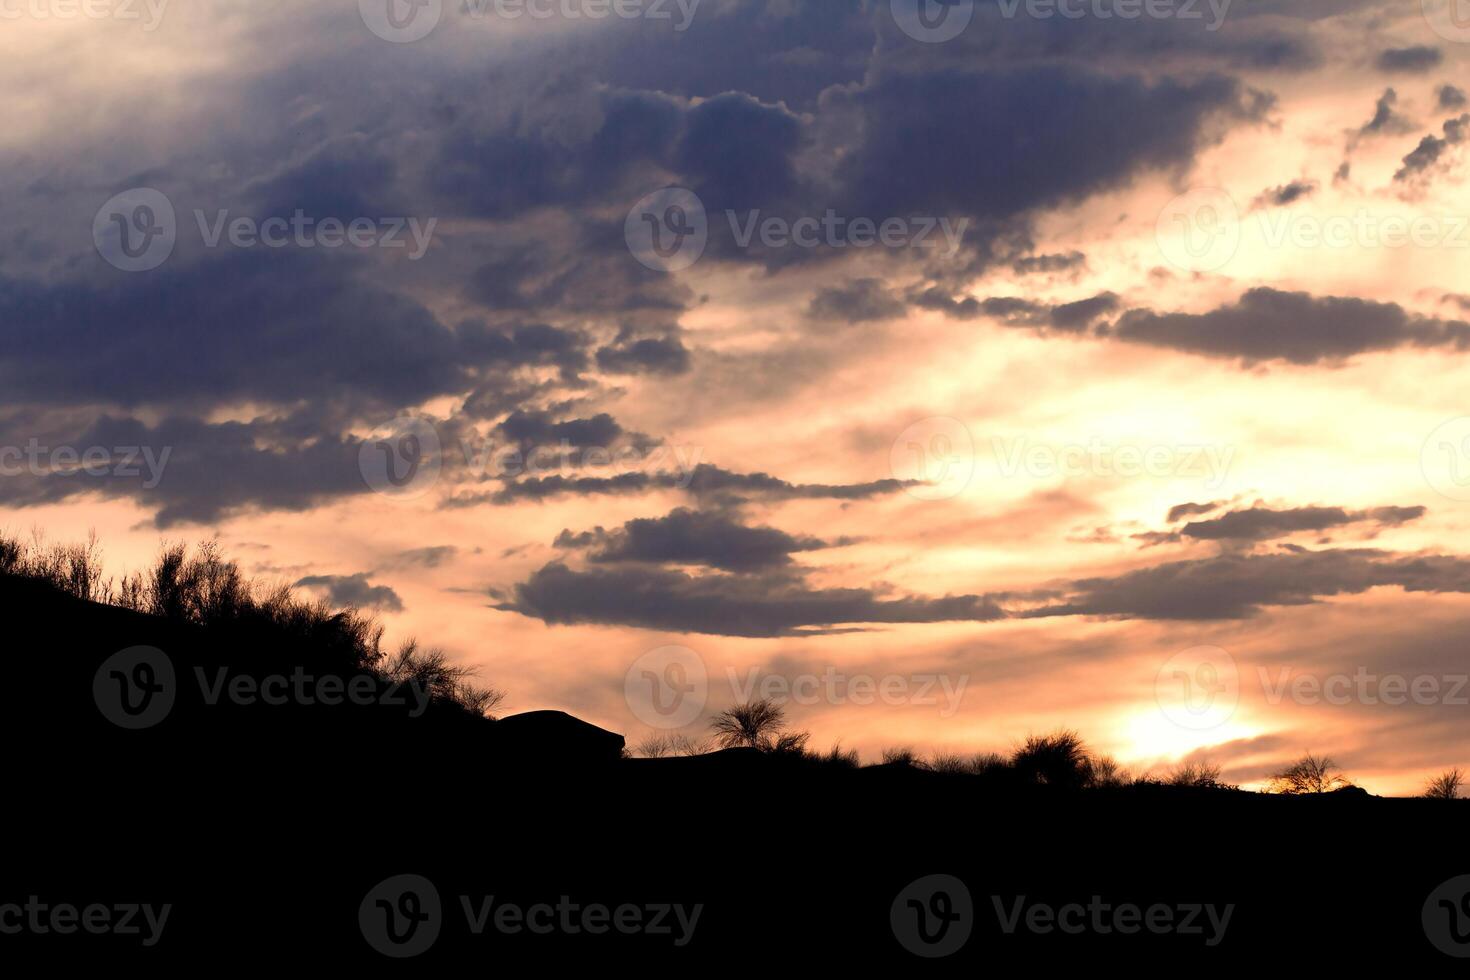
{"points": [[271, 828]]}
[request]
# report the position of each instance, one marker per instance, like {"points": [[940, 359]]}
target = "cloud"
{"points": [[686, 537], [1269, 324], [1072, 317], [705, 480], [999, 144], [1451, 97], [857, 301], [1285, 194], [1263, 523], [1239, 586], [1189, 510], [1415, 60], [1431, 148], [764, 605], [631, 354], [353, 590], [431, 557]]}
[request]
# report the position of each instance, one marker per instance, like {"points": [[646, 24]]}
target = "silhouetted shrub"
{"points": [[1059, 759], [838, 758], [988, 764], [1107, 774], [204, 589], [948, 763], [903, 756], [1199, 775], [757, 724]]}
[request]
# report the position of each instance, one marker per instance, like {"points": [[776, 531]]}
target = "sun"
{"points": [[1148, 735]]}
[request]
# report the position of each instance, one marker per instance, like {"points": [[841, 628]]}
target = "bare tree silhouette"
{"points": [[1445, 786], [1309, 775]]}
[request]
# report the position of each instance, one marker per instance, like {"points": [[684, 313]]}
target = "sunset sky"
{"points": [[1147, 416]]}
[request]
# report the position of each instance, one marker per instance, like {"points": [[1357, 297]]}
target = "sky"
{"points": [[949, 372]]}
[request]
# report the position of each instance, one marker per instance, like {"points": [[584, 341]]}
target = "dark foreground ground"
{"points": [[315, 837]]}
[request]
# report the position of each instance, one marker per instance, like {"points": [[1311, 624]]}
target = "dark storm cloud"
{"points": [[255, 324], [203, 472], [353, 590], [760, 605], [1432, 148], [1285, 194], [1042, 264], [997, 144], [1262, 523], [1415, 59], [530, 429], [1451, 97], [1189, 510], [738, 153], [503, 166], [1236, 586], [705, 480], [1385, 118], [588, 274], [632, 354], [1269, 324], [430, 557], [857, 301], [687, 537], [1070, 317]]}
